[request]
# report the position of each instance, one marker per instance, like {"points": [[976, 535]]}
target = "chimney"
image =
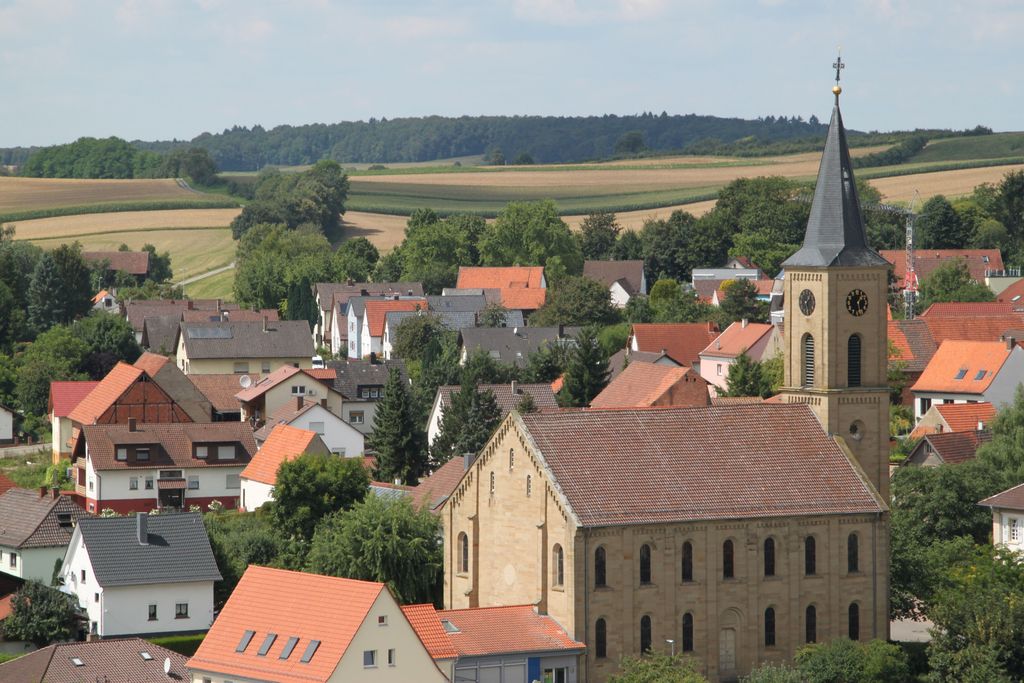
{"points": [[133, 425], [224, 316], [743, 323], [363, 292], [264, 323], [218, 304], [1010, 343], [42, 491], [189, 305], [142, 528], [410, 292], [54, 493], [298, 403], [323, 403], [349, 281], [467, 460]]}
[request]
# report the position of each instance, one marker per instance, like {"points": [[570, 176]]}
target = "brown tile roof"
{"points": [[955, 447], [6, 484], [683, 342], [964, 417], [521, 287], [327, 375], [120, 378], [980, 328], [678, 464], [959, 309], [285, 414], [912, 343], [706, 289], [278, 601], [137, 311], [266, 384], [29, 520], [241, 315], [435, 489], [642, 385], [332, 293], [175, 439], [617, 363], [505, 397], [426, 623], [131, 262], [517, 629], [628, 273], [737, 338], [113, 660], [220, 390], [64, 396], [927, 260], [963, 367], [1010, 499], [281, 339], [736, 400], [283, 444]]}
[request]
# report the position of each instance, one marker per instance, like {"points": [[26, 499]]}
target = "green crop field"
{"points": [[219, 286], [995, 146]]}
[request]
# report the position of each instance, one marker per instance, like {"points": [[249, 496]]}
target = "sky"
{"points": [[162, 69]]}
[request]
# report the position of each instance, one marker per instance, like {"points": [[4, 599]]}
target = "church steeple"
{"points": [[835, 230]]}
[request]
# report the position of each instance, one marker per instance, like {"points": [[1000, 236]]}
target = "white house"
{"points": [[970, 372], [624, 279], [35, 529], [7, 424], [142, 574], [371, 334], [283, 387], [105, 301], [283, 444], [339, 436], [507, 396], [361, 384], [1007, 517], [759, 341]]}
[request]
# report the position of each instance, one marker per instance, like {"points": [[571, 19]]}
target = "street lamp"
{"points": [[672, 645]]}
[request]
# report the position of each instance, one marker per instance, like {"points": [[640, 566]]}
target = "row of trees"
{"points": [[115, 158]]}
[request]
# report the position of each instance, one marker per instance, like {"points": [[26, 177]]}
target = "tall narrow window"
{"points": [[601, 639], [529, 485], [810, 557], [854, 621], [769, 627], [511, 458], [852, 554], [687, 561], [769, 557], [645, 564], [811, 624], [688, 632], [492, 483], [645, 634], [463, 552], [557, 566], [600, 568], [853, 360], [808, 360], [727, 560]]}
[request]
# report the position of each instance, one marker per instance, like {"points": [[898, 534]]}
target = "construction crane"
{"points": [[910, 274]]}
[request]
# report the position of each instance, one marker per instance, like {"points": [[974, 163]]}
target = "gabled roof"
{"points": [[964, 417], [283, 444], [280, 339], [64, 396], [979, 328], [954, 448], [377, 309], [927, 260], [736, 339], [521, 286], [642, 385], [963, 367], [679, 464], [151, 363], [160, 331], [629, 274], [220, 390], [177, 551], [465, 303], [286, 413], [99, 296], [176, 441], [433, 491], [683, 342], [241, 315], [30, 520], [282, 602], [352, 374], [267, 383], [451, 320], [426, 623], [513, 345], [518, 629], [912, 344], [617, 363], [113, 660], [120, 378], [1010, 499], [339, 292], [705, 289], [507, 396], [1013, 295], [131, 262], [960, 309]]}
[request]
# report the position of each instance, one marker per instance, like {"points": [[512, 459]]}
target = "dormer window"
{"points": [[142, 454], [226, 452], [961, 373], [202, 452], [122, 453]]}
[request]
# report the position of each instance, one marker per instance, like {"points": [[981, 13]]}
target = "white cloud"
{"points": [[413, 27], [548, 11], [634, 10]]}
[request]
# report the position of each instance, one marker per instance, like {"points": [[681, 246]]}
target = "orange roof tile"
{"points": [[105, 394], [284, 443], [521, 287], [376, 312], [683, 342], [6, 484], [737, 338], [517, 629], [426, 623], [962, 367], [927, 260], [912, 344], [151, 363], [64, 396], [435, 489], [268, 382], [964, 417], [642, 385], [1013, 295], [99, 296], [978, 328], [322, 374], [959, 309], [279, 601]]}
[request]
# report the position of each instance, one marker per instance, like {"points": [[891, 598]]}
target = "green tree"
{"points": [[40, 615], [50, 301], [631, 143], [598, 233], [314, 197], [301, 302], [389, 267], [238, 540], [547, 363], [493, 315], [773, 673], [628, 247], [13, 322], [1007, 204], [741, 302], [530, 234], [1003, 454], [110, 339], [314, 485], [383, 540], [414, 334], [747, 379], [467, 423], [576, 300], [669, 303], [991, 234], [354, 260], [951, 282], [586, 372], [672, 248], [657, 667], [271, 258], [398, 435], [524, 159], [57, 354], [159, 264], [875, 661], [940, 226]]}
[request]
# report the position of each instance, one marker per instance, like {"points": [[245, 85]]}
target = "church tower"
{"points": [[836, 346]]}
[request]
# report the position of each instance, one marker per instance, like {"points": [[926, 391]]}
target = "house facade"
{"points": [[283, 444], [970, 372], [624, 279], [243, 347], [283, 387], [339, 436], [371, 327], [759, 341], [7, 424], [1007, 517], [507, 397], [35, 529], [361, 384]]}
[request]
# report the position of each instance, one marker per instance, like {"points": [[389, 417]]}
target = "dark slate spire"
{"points": [[835, 230]]}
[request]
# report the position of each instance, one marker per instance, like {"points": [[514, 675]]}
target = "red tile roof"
{"points": [[1014, 295], [956, 447], [981, 328], [426, 623], [99, 296], [962, 367], [683, 342], [64, 396], [105, 393], [522, 287], [912, 344], [284, 443], [220, 389], [964, 417], [267, 383], [279, 601], [678, 464], [376, 312], [484, 631], [322, 374], [960, 309], [927, 260], [175, 439], [737, 338], [151, 363], [642, 385], [6, 485], [131, 262], [435, 489]]}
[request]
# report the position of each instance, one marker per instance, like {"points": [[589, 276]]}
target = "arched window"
{"points": [[600, 571], [557, 566], [492, 483], [688, 632], [853, 361], [511, 458], [601, 639], [810, 557], [727, 560], [769, 557], [645, 563], [645, 634], [853, 619], [811, 624], [687, 561], [529, 485], [769, 627], [852, 554], [807, 365], [463, 552]]}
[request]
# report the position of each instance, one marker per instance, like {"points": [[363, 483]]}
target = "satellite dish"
{"points": [[167, 665], [245, 381]]}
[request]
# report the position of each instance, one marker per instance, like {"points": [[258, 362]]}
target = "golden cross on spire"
{"points": [[838, 66]]}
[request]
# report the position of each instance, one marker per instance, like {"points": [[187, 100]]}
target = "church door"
{"points": [[727, 652]]}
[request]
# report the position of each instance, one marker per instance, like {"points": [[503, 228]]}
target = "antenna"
{"points": [[167, 665], [245, 381], [910, 276]]}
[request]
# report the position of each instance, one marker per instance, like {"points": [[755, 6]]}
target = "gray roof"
{"points": [[506, 396], [452, 320], [352, 374], [629, 274], [178, 550], [835, 230], [472, 303], [513, 345], [388, 492], [30, 520], [159, 332], [282, 339], [617, 363], [327, 291]]}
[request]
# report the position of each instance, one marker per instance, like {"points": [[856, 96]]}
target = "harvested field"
{"points": [[28, 194], [219, 286], [949, 183], [92, 223], [384, 230], [634, 220]]}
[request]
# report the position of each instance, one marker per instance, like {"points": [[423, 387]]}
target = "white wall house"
{"points": [[1007, 517], [339, 436], [284, 443], [6, 424], [35, 529], [969, 372]]}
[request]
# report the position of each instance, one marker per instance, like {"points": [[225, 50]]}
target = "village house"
{"points": [[506, 396], [979, 262], [450, 320], [283, 386], [431, 493], [142, 574], [142, 467], [682, 342], [969, 371], [120, 659], [512, 345], [372, 327], [623, 358], [949, 448], [759, 341], [135, 263], [942, 418], [330, 295], [521, 288], [649, 385], [35, 529], [361, 384], [1007, 517], [243, 347], [624, 279], [8, 417], [271, 630], [911, 347], [284, 443], [339, 436], [104, 301], [220, 391]]}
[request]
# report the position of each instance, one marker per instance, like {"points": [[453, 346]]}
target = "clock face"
{"points": [[857, 302], [807, 302]]}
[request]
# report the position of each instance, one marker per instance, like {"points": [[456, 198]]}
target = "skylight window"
{"points": [[77, 662], [268, 642], [244, 642], [961, 373], [449, 627], [288, 647], [980, 375], [146, 656], [1016, 298], [310, 651]]}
